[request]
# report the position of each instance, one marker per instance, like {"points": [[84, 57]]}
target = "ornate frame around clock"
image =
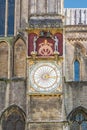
{"points": [[43, 38]]}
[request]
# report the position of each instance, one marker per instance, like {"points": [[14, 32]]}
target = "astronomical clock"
{"points": [[45, 77], [45, 48]]}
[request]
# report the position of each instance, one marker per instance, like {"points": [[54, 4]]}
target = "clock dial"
{"points": [[45, 77]]}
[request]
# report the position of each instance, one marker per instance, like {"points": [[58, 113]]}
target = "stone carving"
{"points": [[56, 43], [34, 42]]}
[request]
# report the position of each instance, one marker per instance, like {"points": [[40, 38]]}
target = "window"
{"points": [[14, 120], [11, 5], [9, 17], [78, 119], [2, 17], [79, 122], [76, 70]]}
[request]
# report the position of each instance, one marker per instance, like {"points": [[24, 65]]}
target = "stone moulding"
{"points": [[41, 23]]}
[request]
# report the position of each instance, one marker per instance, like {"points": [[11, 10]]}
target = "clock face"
{"points": [[45, 77]]}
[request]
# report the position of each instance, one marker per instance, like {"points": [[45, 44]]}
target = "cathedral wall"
{"points": [[45, 108], [45, 7], [24, 13], [69, 61], [18, 93], [75, 16], [3, 86], [75, 49], [75, 96], [12, 93], [12, 87], [18, 15], [45, 113], [85, 67], [45, 126], [3, 59], [75, 91], [19, 58]]}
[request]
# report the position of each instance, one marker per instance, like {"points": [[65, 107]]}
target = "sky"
{"points": [[75, 3]]}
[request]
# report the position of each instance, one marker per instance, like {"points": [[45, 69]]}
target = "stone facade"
{"points": [[27, 108]]}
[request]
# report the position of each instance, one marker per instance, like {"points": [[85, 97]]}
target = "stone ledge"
{"points": [[76, 83], [12, 79]]}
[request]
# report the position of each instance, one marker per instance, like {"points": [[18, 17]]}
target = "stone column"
{"points": [[62, 6], [41, 7], [6, 17], [8, 83], [0, 126], [17, 15], [24, 13]]}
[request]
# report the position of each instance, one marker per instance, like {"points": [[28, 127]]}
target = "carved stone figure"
{"points": [[56, 43], [34, 42]]}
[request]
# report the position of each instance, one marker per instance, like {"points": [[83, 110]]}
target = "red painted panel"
{"points": [[45, 46]]}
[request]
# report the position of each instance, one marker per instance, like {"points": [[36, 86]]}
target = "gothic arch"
{"points": [[19, 57], [79, 52], [13, 118], [74, 111], [79, 48], [19, 35], [78, 119], [4, 56]]}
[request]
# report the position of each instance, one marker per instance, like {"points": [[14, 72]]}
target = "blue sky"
{"points": [[75, 3]]}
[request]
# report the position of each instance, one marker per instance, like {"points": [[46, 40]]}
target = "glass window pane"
{"points": [[10, 125], [76, 70], [79, 117], [19, 125], [11, 5], [75, 126], [2, 17], [84, 125], [13, 122]]}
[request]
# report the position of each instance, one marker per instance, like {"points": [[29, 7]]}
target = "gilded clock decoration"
{"points": [[45, 48]]}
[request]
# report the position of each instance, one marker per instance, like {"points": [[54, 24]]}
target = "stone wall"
{"points": [[45, 126], [12, 73], [4, 63], [75, 92], [45, 108], [19, 58], [75, 96], [45, 112], [3, 86], [75, 16], [75, 48]]}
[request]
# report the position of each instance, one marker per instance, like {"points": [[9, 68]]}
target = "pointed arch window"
{"points": [[79, 121], [2, 17], [14, 120], [76, 70]]}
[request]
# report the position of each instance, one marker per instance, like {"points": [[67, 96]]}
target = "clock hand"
{"points": [[52, 77], [48, 76], [52, 70]]}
